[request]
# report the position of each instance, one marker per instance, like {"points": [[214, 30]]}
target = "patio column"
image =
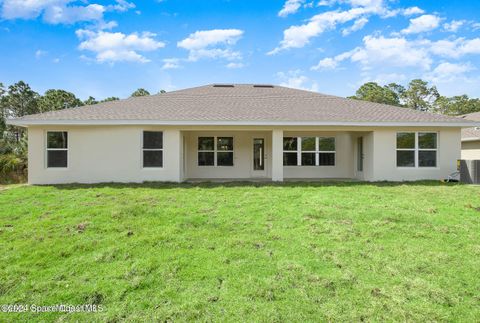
{"points": [[277, 155], [173, 146]]}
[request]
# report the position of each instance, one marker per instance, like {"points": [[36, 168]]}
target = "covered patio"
{"points": [[274, 155]]}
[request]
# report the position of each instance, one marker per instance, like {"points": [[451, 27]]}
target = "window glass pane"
{"points": [[206, 159], [57, 139], [326, 144], [205, 143], [308, 143], [225, 143], [224, 159], [290, 143], [406, 140], [290, 159], [326, 159], [427, 140], [152, 158], [427, 158], [57, 158], [405, 158], [152, 140], [308, 159]]}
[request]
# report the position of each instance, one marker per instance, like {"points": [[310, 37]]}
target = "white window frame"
{"points": [[56, 149], [334, 152], [317, 151], [417, 149], [215, 151], [152, 149]]}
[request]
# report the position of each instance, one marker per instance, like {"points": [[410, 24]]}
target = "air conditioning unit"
{"points": [[470, 171]]}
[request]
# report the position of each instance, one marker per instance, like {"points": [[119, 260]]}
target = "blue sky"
{"points": [[110, 48]]}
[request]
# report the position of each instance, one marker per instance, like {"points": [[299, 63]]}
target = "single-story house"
{"points": [[471, 138], [232, 131]]}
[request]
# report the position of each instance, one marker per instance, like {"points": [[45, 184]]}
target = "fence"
{"points": [[470, 171]]}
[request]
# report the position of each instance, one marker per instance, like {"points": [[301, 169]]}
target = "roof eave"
{"points": [[471, 139], [27, 123]]}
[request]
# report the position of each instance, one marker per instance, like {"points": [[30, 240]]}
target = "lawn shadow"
{"points": [[257, 184]]}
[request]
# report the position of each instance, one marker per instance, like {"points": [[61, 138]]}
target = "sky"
{"points": [[110, 48]]}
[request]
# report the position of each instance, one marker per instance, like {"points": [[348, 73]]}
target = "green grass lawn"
{"points": [[243, 252]]}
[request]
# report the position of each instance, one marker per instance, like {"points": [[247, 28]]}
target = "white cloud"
{"points": [[71, 14], [171, 63], [331, 63], [395, 51], [376, 51], [412, 11], [357, 25], [296, 80], [121, 6], [102, 25], [299, 36], [290, 7], [421, 24], [212, 44], [115, 46], [58, 11], [233, 65], [454, 25], [327, 63], [383, 52], [454, 48], [448, 72], [205, 38], [40, 53]]}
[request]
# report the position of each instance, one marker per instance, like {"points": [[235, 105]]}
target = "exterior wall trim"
{"points": [[26, 123]]}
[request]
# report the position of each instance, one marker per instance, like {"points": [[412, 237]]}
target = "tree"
{"points": [[20, 100], [140, 92], [371, 91], [54, 100], [3, 114], [457, 105], [90, 101], [419, 96], [162, 92], [112, 98], [13, 160]]}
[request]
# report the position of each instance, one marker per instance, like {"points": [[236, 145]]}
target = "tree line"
{"points": [[418, 95], [19, 99]]}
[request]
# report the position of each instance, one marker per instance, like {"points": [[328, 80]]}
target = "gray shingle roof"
{"points": [[241, 103], [471, 133]]}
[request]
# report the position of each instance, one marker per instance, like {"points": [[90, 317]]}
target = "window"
{"points": [[215, 151], [406, 149], [309, 151], [326, 151], [417, 149], [427, 149], [290, 151], [57, 149], [152, 149]]}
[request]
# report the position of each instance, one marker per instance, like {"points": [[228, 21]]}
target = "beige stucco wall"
{"points": [[113, 154], [103, 154], [471, 150], [384, 156]]}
